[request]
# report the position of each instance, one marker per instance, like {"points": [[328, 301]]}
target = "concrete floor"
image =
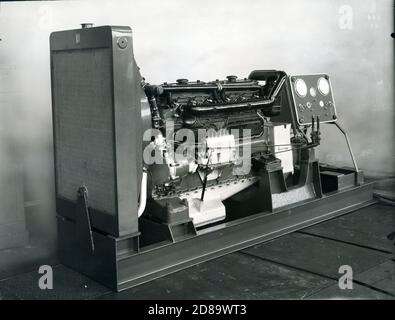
{"points": [[301, 265]]}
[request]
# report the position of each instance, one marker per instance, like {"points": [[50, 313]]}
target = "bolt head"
{"points": [[122, 42]]}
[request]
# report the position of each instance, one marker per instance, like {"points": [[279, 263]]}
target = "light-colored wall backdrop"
{"points": [[349, 39]]}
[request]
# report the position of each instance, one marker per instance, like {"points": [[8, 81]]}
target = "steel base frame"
{"points": [[119, 263]]}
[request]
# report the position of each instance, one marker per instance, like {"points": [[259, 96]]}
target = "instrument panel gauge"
{"points": [[301, 88], [323, 86]]}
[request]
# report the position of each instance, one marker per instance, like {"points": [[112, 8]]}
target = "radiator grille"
{"points": [[84, 129]]}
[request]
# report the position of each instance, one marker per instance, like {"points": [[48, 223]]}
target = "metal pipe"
{"points": [[208, 87], [348, 145], [243, 105], [86, 25]]}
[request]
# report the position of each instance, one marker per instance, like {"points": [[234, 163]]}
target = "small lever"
{"points": [[315, 134], [84, 217]]}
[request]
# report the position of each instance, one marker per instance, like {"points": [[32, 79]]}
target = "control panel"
{"points": [[312, 97]]}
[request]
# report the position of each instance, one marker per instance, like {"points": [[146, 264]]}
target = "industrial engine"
{"points": [[211, 138], [153, 178]]}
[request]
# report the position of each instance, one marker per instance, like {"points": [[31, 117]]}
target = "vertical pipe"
{"points": [[348, 145]]}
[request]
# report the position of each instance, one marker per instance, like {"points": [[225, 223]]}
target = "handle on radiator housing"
{"points": [[143, 194]]}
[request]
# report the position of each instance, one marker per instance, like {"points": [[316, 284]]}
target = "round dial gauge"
{"points": [[301, 88], [313, 92], [323, 86]]}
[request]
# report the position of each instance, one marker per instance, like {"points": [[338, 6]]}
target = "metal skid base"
{"points": [[119, 263]]}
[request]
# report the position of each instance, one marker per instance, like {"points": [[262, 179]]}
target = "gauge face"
{"points": [[313, 92], [323, 86], [300, 88]]}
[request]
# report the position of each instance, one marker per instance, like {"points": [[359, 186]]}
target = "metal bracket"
{"points": [[83, 219], [154, 231]]}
